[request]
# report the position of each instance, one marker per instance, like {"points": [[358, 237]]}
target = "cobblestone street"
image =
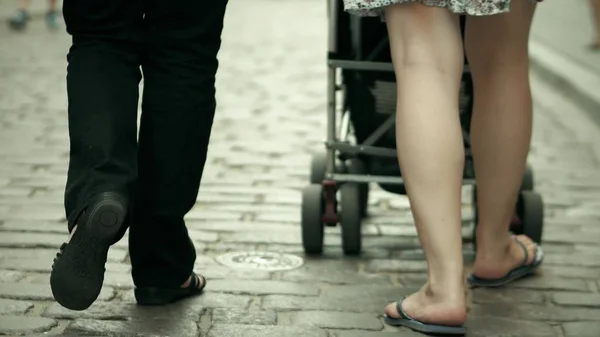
{"points": [[270, 118]]}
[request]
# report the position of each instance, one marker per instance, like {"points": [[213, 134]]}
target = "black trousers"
{"points": [[174, 44]]}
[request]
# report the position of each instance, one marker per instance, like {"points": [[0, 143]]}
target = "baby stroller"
{"points": [[361, 103]]}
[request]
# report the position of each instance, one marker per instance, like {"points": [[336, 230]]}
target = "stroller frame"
{"points": [[350, 178], [335, 143]]}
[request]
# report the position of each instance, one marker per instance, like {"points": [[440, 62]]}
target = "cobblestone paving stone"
{"points": [[271, 115]]}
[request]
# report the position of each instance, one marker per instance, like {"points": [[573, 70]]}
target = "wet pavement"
{"points": [[567, 27], [559, 50], [271, 117]]}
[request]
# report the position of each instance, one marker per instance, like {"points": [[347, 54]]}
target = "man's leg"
{"points": [[102, 86], [178, 107]]}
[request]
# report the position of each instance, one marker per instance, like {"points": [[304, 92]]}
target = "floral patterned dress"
{"points": [[470, 7]]}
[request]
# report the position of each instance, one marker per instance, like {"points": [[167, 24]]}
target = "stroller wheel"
{"points": [[357, 166], [350, 218], [312, 224], [530, 213], [318, 164], [527, 184]]}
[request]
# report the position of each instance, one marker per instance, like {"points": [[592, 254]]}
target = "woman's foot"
{"points": [[446, 307], [498, 262]]}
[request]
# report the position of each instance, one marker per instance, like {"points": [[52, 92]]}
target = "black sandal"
{"points": [[78, 269], [426, 328], [162, 296]]}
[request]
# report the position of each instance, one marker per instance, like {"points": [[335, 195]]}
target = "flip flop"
{"points": [[162, 296], [411, 323], [519, 272]]}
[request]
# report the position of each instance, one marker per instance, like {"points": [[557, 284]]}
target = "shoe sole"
{"points": [[431, 329], [77, 277]]}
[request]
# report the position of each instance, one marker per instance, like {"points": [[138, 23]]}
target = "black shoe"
{"points": [[162, 296], [78, 269]]}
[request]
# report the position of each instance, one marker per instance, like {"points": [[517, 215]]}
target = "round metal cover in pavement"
{"points": [[260, 260]]}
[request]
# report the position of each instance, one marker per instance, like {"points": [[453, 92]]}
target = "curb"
{"points": [[575, 81]]}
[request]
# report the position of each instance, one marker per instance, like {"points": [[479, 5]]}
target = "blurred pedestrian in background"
{"points": [[22, 16], [596, 18]]}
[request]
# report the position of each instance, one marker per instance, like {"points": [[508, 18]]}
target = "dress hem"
{"points": [[379, 11]]}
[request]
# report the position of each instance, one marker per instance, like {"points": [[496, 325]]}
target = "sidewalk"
{"points": [[561, 32], [271, 116]]}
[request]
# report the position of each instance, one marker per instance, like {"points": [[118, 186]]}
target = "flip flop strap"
{"points": [[525, 252], [401, 311]]}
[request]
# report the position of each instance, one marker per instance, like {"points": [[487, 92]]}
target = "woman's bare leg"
{"points": [[497, 50], [428, 59]]}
